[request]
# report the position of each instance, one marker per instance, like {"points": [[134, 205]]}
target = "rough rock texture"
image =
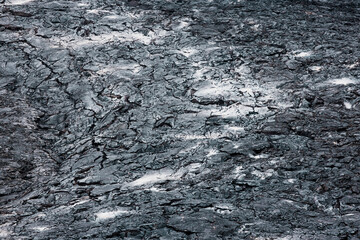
{"points": [[202, 119]]}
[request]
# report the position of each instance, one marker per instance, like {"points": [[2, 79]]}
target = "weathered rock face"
{"points": [[179, 119]]}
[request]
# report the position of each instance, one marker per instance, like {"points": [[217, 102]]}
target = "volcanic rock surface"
{"points": [[165, 119]]}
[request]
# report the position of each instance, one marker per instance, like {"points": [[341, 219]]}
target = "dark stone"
{"points": [[179, 119]]}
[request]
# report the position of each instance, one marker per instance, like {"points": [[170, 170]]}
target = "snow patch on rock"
{"points": [[19, 2], [344, 81], [303, 54], [154, 177], [347, 105], [41, 228], [105, 215]]}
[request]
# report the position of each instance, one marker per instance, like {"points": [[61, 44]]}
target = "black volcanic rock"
{"points": [[179, 119]]}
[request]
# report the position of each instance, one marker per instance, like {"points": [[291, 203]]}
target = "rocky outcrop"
{"points": [[179, 119]]}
